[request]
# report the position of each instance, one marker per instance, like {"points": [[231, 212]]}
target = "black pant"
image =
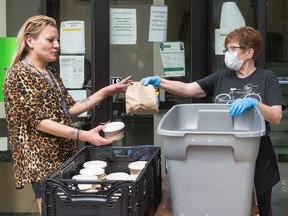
{"points": [[264, 203], [36, 186]]}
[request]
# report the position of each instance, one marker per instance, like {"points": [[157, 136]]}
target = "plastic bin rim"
{"points": [[175, 133], [183, 133]]}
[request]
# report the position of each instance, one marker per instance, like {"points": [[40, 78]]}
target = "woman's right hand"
{"points": [[92, 136]]}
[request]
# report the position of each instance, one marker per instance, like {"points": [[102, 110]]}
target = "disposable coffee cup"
{"points": [[95, 164], [118, 176], [85, 177], [136, 167], [132, 177], [114, 130], [96, 171]]}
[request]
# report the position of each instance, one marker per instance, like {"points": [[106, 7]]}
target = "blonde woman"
{"points": [[39, 110]]}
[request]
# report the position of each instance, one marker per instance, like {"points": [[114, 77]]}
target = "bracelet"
{"points": [[78, 132]]}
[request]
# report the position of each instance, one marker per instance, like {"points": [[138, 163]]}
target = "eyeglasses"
{"points": [[232, 48]]}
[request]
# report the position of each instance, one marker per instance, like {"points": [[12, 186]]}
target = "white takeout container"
{"points": [[118, 176], [95, 163], [114, 130], [85, 177], [95, 171], [136, 167]]}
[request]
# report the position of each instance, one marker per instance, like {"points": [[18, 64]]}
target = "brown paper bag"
{"points": [[140, 99]]}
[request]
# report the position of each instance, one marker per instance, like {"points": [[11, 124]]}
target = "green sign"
{"points": [[8, 46]]}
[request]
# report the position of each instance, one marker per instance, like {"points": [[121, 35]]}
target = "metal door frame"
{"points": [[201, 45]]}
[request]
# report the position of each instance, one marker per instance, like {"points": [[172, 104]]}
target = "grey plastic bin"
{"points": [[211, 158]]}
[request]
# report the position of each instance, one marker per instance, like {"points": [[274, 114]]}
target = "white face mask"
{"points": [[232, 61]]}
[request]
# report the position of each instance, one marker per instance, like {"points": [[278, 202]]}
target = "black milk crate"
{"points": [[141, 197]]}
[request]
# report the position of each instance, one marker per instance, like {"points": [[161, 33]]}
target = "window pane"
{"points": [[142, 59], [13, 23], [277, 60], [246, 9]]}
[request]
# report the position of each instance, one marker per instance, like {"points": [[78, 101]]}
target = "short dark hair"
{"points": [[247, 37]]}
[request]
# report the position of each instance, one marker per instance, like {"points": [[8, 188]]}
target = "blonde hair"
{"points": [[33, 26]]}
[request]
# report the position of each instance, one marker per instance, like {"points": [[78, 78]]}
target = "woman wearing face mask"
{"points": [[246, 86]]}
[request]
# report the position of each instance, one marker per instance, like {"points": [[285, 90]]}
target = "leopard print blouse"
{"points": [[28, 99]]}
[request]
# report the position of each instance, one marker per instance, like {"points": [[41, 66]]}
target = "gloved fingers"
{"points": [[233, 110], [241, 104], [239, 111], [144, 81], [236, 108]]}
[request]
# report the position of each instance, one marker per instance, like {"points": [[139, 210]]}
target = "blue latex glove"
{"points": [[238, 107], [153, 80]]}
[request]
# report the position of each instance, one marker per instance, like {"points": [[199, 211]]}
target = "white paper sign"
{"points": [[220, 35], [173, 58], [158, 23], [231, 18], [3, 143], [72, 71], [123, 29], [72, 37]]}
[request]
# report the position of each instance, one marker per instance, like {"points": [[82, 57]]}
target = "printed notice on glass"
{"points": [[123, 29], [72, 71], [220, 35], [158, 23], [173, 58], [72, 37]]}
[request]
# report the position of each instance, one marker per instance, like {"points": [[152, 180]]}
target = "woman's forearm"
{"points": [[57, 129], [272, 114], [98, 97], [88, 103], [182, 89], [92, 136]]}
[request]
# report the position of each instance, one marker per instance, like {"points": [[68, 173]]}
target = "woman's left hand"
{"points": [[92, 136]]}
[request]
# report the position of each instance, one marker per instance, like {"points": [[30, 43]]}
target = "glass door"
{"points": [[221, 20], [277, 60], [75, 56], [271, 19], [139, 55]]}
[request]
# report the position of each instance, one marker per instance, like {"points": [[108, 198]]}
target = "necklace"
{"points": [[57, 90], [46, 73]]}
